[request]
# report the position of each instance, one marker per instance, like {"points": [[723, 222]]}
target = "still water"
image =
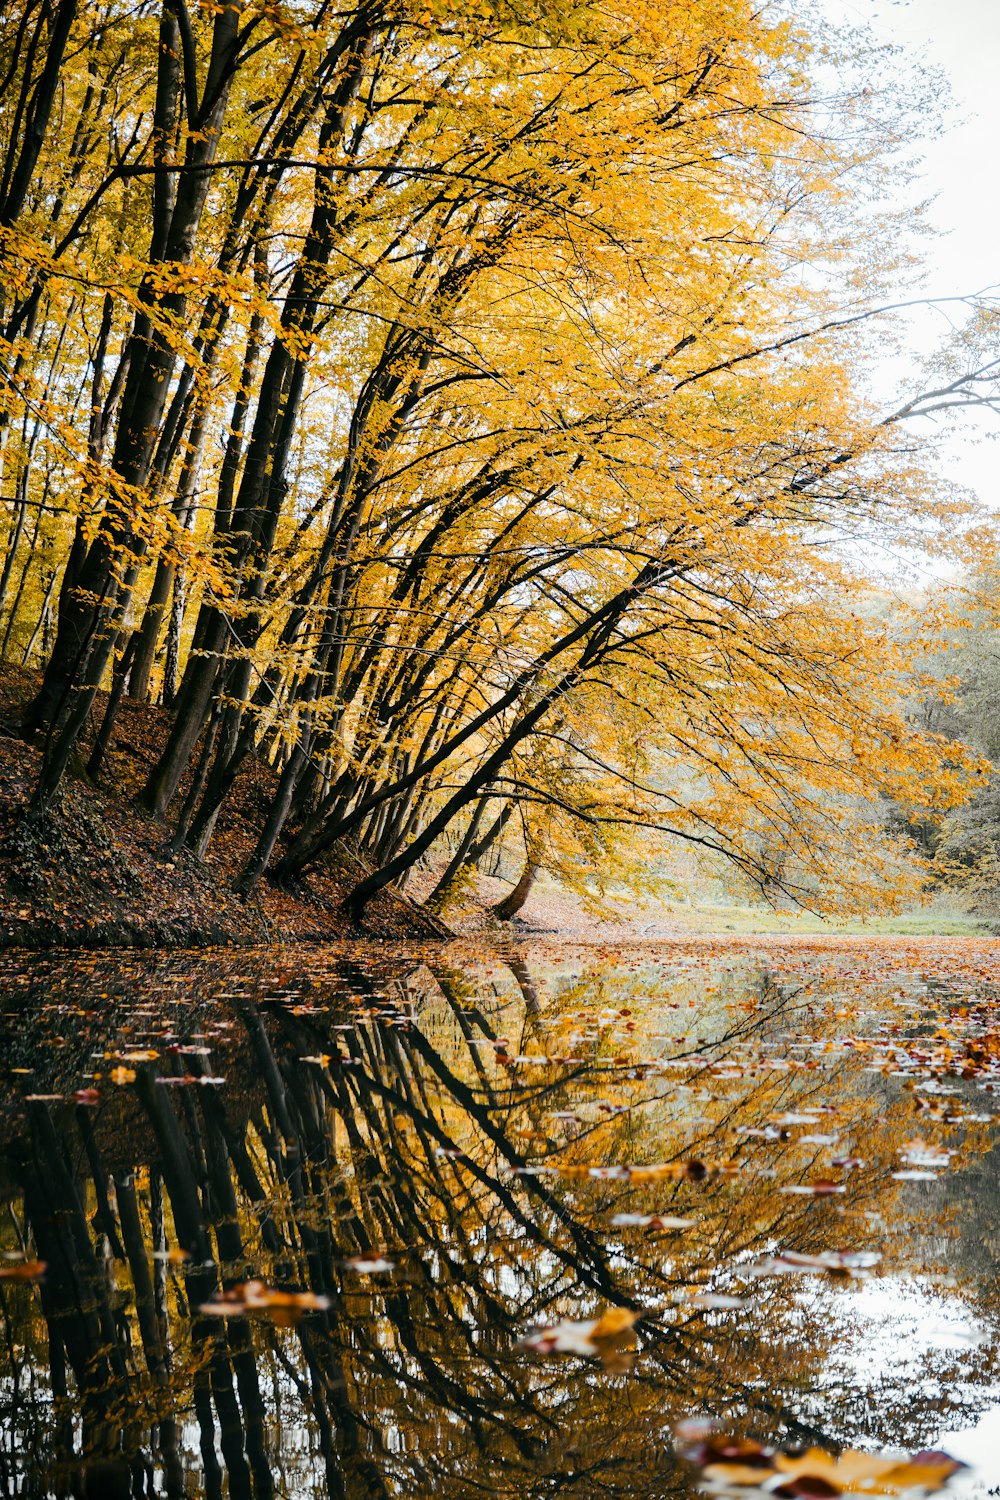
{"points": [[340, 1221]]}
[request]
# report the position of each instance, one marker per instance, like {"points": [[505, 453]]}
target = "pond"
{"points": [[390, 1220]]}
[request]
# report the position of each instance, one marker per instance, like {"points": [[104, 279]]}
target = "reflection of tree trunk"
{"points": [[76, 1303], [525, 984], [211, 1469], [104, 1219], [515, 899], [229, 1238], [142, 1282]]}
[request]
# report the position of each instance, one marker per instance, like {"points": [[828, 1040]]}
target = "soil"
{"points": [[97, 872]]}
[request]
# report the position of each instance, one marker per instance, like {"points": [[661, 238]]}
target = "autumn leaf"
{"points": [[741, 1463], [24, 1270], [249, 1298], [609, 1338]]}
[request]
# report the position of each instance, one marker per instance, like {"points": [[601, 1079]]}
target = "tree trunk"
{"points": [[172, 662], [32, 121], [91, 605], [439, 894], [515, 899]]}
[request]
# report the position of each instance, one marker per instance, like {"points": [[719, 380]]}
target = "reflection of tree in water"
{"points": [[387, 1113]]}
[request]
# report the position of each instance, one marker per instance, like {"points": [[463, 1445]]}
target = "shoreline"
{"points": [[495, 941]]}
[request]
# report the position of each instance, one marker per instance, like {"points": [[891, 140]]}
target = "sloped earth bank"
{"points": [[98, 873], [440, 1220]]}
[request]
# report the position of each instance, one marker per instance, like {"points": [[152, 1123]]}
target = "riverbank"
{"points": [[98, 873]]}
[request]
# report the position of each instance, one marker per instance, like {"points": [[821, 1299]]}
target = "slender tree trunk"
{"points": [[439, 894], [34, 110], [42, 623], [276, 818], [482, 847], [252, 525], [172, 660], [96, 761]]}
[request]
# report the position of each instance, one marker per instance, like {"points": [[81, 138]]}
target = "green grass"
{"points": [[756, 919]]}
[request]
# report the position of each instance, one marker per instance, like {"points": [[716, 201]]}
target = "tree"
{"points": [[475, 381]]}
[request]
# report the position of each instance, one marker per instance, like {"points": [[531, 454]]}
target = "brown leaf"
{"points": [[609, 1338], [24, 1270], [283, 1308]]}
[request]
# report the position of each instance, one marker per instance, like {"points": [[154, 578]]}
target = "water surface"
{"points": [[431, 1160]]}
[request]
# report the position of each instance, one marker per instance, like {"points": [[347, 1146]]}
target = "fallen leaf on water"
{"points": [[651, 1221], [692, 1171], [609, 1338], [691, 1297], [731, 1464], [854, 1263], [918, 1153], [24, 1270], [372, 1265], [283, 1308], [861, 1473], [821, 1188]]}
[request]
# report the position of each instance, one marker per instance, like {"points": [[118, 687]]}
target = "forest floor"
{"points": [[97, 873]]}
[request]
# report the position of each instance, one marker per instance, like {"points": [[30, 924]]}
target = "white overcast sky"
{"points": [[961, 39]]}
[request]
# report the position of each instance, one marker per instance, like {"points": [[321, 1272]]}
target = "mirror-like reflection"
{"points": [[334, 1222]]}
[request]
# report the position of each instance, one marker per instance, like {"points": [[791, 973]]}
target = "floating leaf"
{"points": [[254, 1297], [651, 1221], [734, 1464], [609, 1338], [23, 1270], [829, 1262], [821, 1188], [693, 1297]]}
